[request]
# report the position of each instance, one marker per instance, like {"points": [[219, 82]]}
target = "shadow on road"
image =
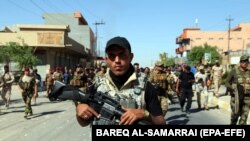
{"points": [[175, 120], [173, 109], [45, 113], [178, 122]]}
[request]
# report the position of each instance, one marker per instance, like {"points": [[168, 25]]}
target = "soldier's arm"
{"points": [[20, 86]]}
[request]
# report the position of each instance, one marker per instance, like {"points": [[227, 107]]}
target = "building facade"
{"points": [[235, 47], [79, 33], [64, 44]]}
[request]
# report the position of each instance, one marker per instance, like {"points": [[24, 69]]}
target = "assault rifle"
{"points": [[109, 109]]}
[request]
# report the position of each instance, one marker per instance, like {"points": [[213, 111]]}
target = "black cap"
{"points": [[244, 57], [118, 41]]}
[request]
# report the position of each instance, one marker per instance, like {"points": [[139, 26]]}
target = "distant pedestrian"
{"points": [[49, 81], [200, 86], [38, 83], [7, 79], [184, 88], [217, 73]]}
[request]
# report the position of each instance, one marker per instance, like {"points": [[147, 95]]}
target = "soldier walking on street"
{"points": [[27, 84], [217, 73], [6, 80], [159, 80], [238, 84]]}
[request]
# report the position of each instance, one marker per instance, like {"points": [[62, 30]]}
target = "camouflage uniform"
{"points": [[49, 82], [171, 86], [217, 77], [241, 80], [160, 82], [131, 94], [79, 80], [6, 83], [58, 76], [27, 83]]}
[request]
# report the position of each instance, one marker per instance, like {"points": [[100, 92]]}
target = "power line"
{"points": [[25, 9]]}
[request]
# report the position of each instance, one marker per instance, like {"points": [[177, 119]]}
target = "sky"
{"points": [[151, 26]]}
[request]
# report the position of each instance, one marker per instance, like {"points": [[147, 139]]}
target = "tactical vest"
{"points": [[131, 94], [159, 79], [27, 83], [171, 81], [243, 79], [57, 76], [6, 77], [49, 79], [77, 80]]}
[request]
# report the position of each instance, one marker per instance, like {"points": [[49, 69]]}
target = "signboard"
{"points": [[235, 60], [207, 57]]}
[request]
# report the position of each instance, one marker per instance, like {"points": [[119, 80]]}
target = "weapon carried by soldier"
{"points": [[109, 109], [239, 97]]}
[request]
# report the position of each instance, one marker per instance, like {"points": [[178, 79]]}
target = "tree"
{"points": [[196, 55], [22, 54], [165, 60], [170, 61]]}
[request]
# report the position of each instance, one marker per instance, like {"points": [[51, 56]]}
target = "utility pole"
{"points": [[97, 49], [229, 29]]}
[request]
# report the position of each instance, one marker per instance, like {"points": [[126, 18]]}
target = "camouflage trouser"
{"points": [[164, 104], [6, 94], [217, 83], [27, 96], [170, 95], [243, 114]]}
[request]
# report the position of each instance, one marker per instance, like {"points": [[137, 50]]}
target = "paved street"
{"points": [[55, 121], [50, 122]]}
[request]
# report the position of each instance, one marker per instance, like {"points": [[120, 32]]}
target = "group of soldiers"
{"points": [[182, 82], [186, 83]]}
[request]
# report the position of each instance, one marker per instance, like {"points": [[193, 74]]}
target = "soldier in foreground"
{"points": [[121, 84], [238, 84]]}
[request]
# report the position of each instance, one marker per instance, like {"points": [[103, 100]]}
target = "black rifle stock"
{"points": [[109, 109]]}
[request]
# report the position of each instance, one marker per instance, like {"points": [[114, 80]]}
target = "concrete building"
{"points": [[239, 41], [80, 32], [62, 44]]}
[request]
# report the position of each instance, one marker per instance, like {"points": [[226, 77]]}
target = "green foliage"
{"points": [[196, 55], [22, 54], [170, 61], [165, 60]]}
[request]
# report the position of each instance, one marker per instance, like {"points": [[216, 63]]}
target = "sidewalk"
{"points": [[223, 101]]}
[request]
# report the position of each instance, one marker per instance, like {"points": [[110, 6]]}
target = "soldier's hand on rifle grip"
{"points": [[131, 115], [85, 111]]}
